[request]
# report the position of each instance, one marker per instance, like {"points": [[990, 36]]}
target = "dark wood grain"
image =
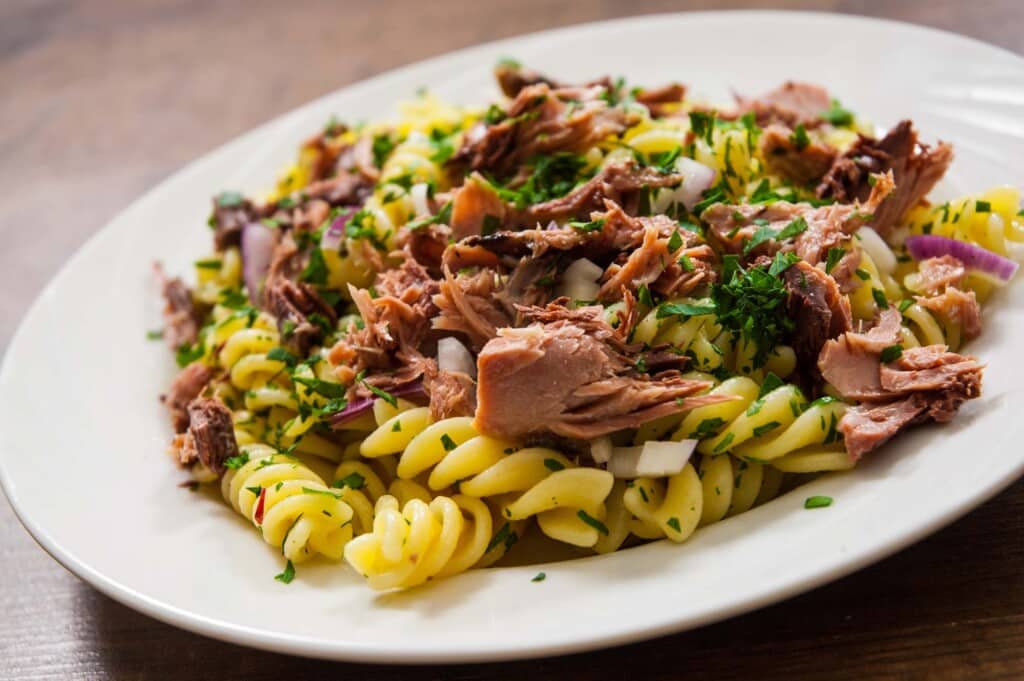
{"points": [[101, 100]]}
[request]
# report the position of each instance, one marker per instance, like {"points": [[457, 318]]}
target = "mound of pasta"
{"points": [[597, 314]]}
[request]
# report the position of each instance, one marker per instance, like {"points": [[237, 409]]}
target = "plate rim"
{"points": [[355, 651]]}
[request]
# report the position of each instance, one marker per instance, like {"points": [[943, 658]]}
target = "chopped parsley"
{"points": [[352, 481], [591, 226], [236, 462], [683, 310], [448, 443], [491, 224], [799, 137], [675, 242], [315, 271], [983, 206], [797, 226], [383, 145], [880, 298], [324, 388], [861, 274], [766, 428], [686, 263], [155, 334], [382, 394], [553, 464], [817, 502], [832, 259], [505, 536], [707, 428], [592, 521], [751, 303], [837, 115], [770, 383], [282, 355], [891, 353], [703, 125], [288, 575], [230, 199], [643, 294], [673, 522], [539, 577]]}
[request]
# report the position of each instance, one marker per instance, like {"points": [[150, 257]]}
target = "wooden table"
{"points": [[101, 100]]}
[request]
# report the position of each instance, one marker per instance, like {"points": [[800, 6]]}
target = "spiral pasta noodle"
{"points": [[290, 504]]}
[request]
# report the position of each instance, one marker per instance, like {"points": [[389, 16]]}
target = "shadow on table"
{"points": [[881, 623]]}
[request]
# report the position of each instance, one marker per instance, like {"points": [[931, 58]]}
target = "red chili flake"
{"points": [[258, 516]]}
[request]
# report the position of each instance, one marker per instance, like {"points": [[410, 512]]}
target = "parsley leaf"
{"points": [[288, 575], [837, 115], [891, 353], [751, 303], [352, 481], [592, 521]]}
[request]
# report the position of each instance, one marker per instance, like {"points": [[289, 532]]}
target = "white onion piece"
{"points": [[579, 281], [877, 249], [258, 243], [453, 356], [419, 197], [653, 459], [601, 449], [697, 178]]}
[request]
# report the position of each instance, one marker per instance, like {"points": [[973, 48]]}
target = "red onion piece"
{"points": [[973, 257], [332, 236], [258, 243], [414, 392]]}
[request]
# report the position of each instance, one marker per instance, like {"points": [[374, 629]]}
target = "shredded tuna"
{"points": [[210, 438], [452, 393], [818, 309], [182, 317], [467, 305], [929, 384], [915, 168], [732, 226], [512, 78], [958, 307], [296, 305], [662, 101], [790, 104], [228, 219], [935, 274], [558, 378], [538, 122], [851, 362], [186, 386], [783, 156], [620, 183]]}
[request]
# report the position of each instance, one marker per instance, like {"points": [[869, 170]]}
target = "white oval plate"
{"points": [[82, 433]]}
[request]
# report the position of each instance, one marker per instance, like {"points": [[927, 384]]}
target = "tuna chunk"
{"points": [[560, 379], [934, 391], [790, 104], [803, 165], [468, 305], [922, 384], [539, 122], [185, 387], [818, 309], [851, 364], [182, 317], [452, 393], [732, 226], [938, 273], [958, 307], [210, 438], [915, 168], [294, 303]]}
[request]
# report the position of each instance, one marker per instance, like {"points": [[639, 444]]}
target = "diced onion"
{"points": [[335, 232], [697, 178], [453, 356], [654, 459], [579, 281], [973, 257], [258, 243], [419, 197], [601, 449], [877, 250]]}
